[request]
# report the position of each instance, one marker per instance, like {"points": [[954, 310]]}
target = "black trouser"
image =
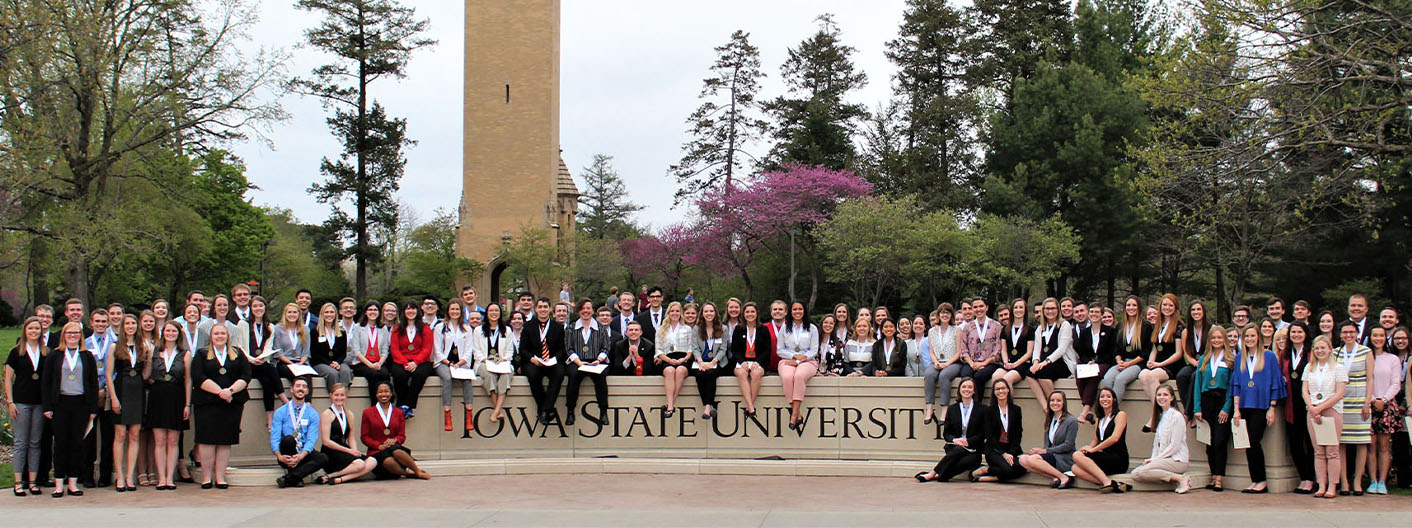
{"points": [[1184, 380], [1212, 401], [373, 376], [706, 385], [1255, 456], [70, 419], [1301, 447], [1402, 458], [981, 376], [1001, 469], [310, 464], [958, 460], [98, 445], [46, 450], [544, 397], [1088, 387], [270, 384], [600, 389], [408, 385]]}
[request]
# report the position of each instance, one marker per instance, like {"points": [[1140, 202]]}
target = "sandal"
{"points": [[322, 480], [921, 476], [20, 490], [335, 481], [35, 491]]}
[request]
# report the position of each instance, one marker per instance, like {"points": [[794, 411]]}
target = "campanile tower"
{"points": [[512, 172]]}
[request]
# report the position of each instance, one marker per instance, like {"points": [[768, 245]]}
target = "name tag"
{"points": [[303, 421]]}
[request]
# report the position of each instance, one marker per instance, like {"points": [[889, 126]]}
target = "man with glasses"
{"points": [[240, 294], [653, 316], [1241, 316]]}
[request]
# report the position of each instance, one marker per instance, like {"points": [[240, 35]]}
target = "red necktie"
{"points": [[544, 347]]}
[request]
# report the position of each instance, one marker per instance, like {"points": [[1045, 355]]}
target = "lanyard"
{"points": [[372, 339], [1005, 418], [887, 350], [259, 334], [966, 416], [1103, 426], [294, 422], [1163, 335], [981, 330], [33, 357], [1214, 361], [386, 416], [190, 338], [1347, 357], [543, 331], [1294, 357], [1250, 364], [1130, 333], [220, 356], [70, 358], [99, 346], [411, 332], [342, 418], [168, 356]]}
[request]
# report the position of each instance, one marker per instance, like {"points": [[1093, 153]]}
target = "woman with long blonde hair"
{"points": [[1256, 387]]}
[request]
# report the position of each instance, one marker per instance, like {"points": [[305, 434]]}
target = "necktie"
{"points": [[544, 347]]}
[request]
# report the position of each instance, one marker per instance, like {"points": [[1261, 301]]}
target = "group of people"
{"points": [[141, 379]]}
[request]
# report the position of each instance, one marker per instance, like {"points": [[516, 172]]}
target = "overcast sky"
{"points": [[632, 70]]}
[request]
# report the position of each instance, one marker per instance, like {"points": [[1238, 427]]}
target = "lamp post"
{"points": [[793, 231]]}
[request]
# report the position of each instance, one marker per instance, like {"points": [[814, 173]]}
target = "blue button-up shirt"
{"points": [[288, 420]]}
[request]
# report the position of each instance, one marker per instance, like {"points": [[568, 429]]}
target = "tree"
{"points": [[289, 264], [926, 148], [373, 39], [660, 257], [532, 259], [868, 264], [1015, 37], [1014, 253], [236, 228], [430, 261], [90, 87], [725, 124], [604, 209], [597, 264], [813, 124]]}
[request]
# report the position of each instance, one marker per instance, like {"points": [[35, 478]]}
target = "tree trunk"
{"points": [[360, 283], [76, 279]]}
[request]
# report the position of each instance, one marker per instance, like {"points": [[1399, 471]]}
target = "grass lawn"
{"points": [[7, 476], [8, 336]]}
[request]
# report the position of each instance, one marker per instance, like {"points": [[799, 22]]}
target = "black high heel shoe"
{"points": [[207, 485], [921, 476]]}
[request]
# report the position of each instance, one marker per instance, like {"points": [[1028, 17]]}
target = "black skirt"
{"points": [[166, 400], [218, 423], [1110, 463], [131, 392], [1052, 371], [337, 460], [380, 472]]}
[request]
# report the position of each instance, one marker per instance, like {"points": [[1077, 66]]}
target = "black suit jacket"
{"points": [[898, 365], [1083, 345], [529, 341], [763, 346], [53, 370], [615, 331], [1140, 345], [620, 353], [644, 318], [993, 430], [974, 431]]}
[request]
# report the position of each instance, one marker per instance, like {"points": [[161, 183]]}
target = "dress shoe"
{"points": [[570, 419]]}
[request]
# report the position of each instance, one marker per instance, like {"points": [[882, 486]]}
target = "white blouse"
{"points": [[858, 351], [1322, 381], [798, 341]]}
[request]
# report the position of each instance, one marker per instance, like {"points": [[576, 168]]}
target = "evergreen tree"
{"points": [[372, 39], [935, 123], [725, 124], [604, 209], [1016, 36], [813, 125]]}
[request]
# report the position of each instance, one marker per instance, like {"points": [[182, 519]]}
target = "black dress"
{"points": [[166, 395], [1113, 459], [338, 433], [130, 388], [218, 422]]}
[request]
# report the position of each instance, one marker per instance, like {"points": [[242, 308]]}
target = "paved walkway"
{"points": [[670, 500]]}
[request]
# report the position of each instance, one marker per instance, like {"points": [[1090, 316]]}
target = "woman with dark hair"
{"points": [[1292, 362], [712, 358], [412, 344], [1383, 392], [368, 347], [1061, 435], [798, 359], [258, 333], [1107, 454], [384, 431], [168, 401], [1192, 345], [965, 434], [831, 360], [219, 376], [127, 398], [1019, 344], [494, 352], [1170, 458], [1004, 432], [1357, 429], [749, 346]]}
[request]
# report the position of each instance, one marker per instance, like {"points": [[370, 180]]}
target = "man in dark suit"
{"points": [[240, 295], [631, 352], [543, 355], [588, 344], [625, 313], [653, 316], [1358, 315]]}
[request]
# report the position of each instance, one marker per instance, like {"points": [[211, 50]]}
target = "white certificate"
{"points": [[499, 367], [1240, 436], [1087, 370], [300, 371], [593, 369], [549, 362], [463, 373], [1325, 434], [1203, 432]]}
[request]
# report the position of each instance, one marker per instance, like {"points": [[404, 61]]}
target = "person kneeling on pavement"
{"points": [[294, 435]]}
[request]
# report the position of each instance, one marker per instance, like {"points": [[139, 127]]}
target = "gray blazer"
{"points": [[1063, 446], [587, 351], [288, 345], [358, 343]]}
